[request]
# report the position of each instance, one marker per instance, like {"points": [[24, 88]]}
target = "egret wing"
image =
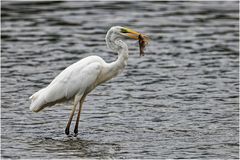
{"points": [[77, 82], [75, 79]]}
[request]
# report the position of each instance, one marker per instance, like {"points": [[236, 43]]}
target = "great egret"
{"points": [[80, 78]]}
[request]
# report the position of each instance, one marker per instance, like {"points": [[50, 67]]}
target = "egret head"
{"points": [[127, 32], [130, 33]]}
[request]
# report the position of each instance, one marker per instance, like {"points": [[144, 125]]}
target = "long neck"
{"points": [[122, 51], [116, 44]]}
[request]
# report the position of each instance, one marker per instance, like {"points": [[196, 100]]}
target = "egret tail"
{"points": [[37, 101]]}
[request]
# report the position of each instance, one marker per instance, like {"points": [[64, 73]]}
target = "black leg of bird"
{"points": [[70, 120], [78, 116]]}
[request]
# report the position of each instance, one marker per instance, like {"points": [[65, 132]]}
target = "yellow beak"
{"points": [[134, 34]]}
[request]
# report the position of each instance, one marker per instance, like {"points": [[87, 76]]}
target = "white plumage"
{"points": [[74, 80]]}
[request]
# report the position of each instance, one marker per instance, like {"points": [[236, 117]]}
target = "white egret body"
{"points": [[80, 78]]}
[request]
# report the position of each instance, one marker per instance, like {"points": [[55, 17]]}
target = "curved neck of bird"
{"points": [[116, 44]]}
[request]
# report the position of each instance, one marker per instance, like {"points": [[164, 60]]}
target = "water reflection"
{"points": [[75, 146]]}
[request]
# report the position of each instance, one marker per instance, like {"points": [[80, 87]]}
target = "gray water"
{"points": [[178, 101]]}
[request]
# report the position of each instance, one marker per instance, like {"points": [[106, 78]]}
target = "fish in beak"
{"points": [[142, 39]]}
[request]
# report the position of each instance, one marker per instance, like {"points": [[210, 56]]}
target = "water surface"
{"points": [[181, 100]]}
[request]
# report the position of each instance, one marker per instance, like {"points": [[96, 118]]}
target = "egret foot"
{"points": [[67, 131], [76, 131]]}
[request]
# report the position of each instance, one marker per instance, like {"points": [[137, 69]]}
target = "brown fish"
{"points": [[143, 41]]}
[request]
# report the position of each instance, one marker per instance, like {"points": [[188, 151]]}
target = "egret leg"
{"points": [[78, 116], [70, 120]]}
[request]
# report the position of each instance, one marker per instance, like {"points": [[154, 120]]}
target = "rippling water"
{"points": [[178, 101]]}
